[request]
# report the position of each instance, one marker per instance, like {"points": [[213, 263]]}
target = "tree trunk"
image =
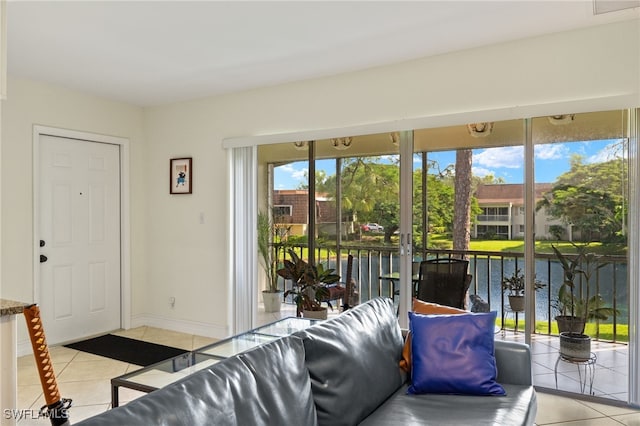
{"points": [[462, 207]]}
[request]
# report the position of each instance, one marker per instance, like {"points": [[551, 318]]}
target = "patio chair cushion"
{"points": [[454, 354], [336, 291], [427, 308]]}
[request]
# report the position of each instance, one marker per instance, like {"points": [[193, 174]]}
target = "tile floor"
{"points": [[610, 369], [86, 379]]}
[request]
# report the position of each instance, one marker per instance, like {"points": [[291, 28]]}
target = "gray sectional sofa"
{"points": [[343, 371]]}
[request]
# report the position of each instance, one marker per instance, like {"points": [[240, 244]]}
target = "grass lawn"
{"points": [[605, 330], [542, 246], [443, 241], [497, 245]]}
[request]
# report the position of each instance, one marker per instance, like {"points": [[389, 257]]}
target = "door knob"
{"points": [[43, 258]]}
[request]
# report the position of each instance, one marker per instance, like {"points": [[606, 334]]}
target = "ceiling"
{"points": [[157, 52]]}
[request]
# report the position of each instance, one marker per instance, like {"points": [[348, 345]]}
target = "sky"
{"points": [[551, 160]]}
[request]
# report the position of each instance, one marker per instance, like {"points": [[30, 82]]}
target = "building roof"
{"points": [[508, 193]]}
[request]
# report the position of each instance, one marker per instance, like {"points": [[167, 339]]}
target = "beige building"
{"points": [[503, 212]]}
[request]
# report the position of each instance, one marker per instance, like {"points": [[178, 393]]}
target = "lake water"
{"points": [[611, 282]]}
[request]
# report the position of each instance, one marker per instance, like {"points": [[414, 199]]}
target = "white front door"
{"points": [[79, 227]]}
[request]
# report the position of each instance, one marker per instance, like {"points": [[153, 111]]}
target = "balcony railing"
{"points": [[488, 270], [493, 218]]}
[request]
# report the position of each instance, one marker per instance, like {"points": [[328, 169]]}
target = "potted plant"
{"points": [[514, 284], [272, 295], [309, 285], [575, 303]]}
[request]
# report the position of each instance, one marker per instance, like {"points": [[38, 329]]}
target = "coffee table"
{"points": [[163, 373]]}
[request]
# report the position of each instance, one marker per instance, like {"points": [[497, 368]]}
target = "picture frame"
{"points": [[180, 176]]}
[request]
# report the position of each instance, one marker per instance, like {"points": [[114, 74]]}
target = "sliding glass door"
{"points": [[468, 204], [581, 252], [336, 197]]}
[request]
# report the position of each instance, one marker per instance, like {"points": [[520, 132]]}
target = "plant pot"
{"points": [[569, 324], [320, 314], [272, 301], [575, 346], [516, 303]]}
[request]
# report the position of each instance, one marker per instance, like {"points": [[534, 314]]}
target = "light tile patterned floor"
{"points": [[86, 379], [610, 373]]}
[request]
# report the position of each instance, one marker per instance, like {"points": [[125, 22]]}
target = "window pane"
{"points": [[581, 211]]}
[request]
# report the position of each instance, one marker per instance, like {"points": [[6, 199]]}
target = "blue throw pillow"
{"points": [[453, 354]]}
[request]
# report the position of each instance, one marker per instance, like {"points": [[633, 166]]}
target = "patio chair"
{"points": [[444, 281], [351, 297], [345, 291]]}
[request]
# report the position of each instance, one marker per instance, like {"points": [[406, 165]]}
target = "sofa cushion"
{"points": [[353, 362], [268, 385], [453, 354], [517, 407], [427, 308]]}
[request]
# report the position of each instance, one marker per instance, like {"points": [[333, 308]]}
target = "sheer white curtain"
{"points": [[242, 237]]}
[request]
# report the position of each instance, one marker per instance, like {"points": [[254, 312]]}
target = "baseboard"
{"points": [[181, 326]]}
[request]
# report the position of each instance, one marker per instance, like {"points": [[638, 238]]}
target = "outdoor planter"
{"points": [[575, 346], [320, 314], [516, 303], [267, 232], [272, 300], [569, 324], [515, 285], [309, 285]]}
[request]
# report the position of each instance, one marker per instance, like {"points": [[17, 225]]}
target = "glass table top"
{"points": [[169, 371], [285, 326], [236, 345], [166, 372]]}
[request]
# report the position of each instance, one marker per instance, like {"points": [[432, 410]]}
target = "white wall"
{"points": [[29, 103], [186, 257], [175, 255]]}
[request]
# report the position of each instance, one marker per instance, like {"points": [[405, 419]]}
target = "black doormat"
{"points": [[127, 350]]}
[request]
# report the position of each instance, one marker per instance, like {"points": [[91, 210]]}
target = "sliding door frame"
{"points": [[406, 226]]}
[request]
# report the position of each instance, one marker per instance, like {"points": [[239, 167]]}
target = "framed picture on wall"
{"points": [[180, 176]]}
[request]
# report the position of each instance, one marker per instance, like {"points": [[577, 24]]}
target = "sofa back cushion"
{"points": [[353, 362], [268, 385]]}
